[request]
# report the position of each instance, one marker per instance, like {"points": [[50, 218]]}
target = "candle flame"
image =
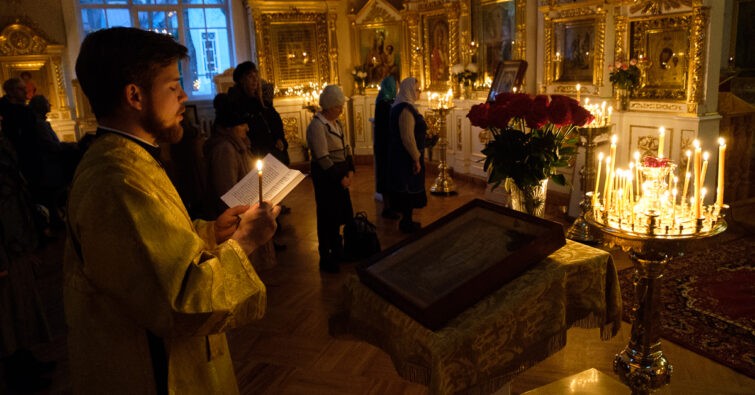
{"points": [[614, 138], [259, 165], [662, 130], [721, 141], [636, 155], [705, 155], [600, 156], [696, 143], [688, 153]]}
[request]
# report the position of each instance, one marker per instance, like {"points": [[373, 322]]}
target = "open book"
{"points": [[277, 182]]}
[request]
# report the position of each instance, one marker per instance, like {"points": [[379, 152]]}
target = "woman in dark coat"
{"points": [[332, 171], [406, 155], [380, 137], [265, 134]]}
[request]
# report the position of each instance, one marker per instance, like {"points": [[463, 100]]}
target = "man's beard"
{"points": [[163, 133]]}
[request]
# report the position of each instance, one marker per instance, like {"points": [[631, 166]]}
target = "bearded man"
{"points": [[149, 293]]}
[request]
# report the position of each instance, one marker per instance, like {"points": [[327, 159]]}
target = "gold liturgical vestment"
{"points": [[147, 267]]}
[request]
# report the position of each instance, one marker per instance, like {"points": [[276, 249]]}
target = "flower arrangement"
{"points": [[532, 136], [623, 75], [465, 75], [360, 75]]}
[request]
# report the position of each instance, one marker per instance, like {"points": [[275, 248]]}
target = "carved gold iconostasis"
{"points": [[378, 42], [574, 47], [26, 53]]}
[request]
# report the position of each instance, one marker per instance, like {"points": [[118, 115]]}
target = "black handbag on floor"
{"points": [[360, 238]]}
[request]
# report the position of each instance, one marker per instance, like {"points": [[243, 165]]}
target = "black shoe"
{"points": [[409, 227], [390, 214]]}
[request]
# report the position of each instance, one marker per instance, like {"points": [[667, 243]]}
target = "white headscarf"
{"points": [[331, 96], [407, 92]]}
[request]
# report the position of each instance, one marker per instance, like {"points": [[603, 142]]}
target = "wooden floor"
{"points": [[289, 351]]}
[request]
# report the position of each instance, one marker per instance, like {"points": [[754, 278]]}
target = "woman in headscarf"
{"points": [[332, 171], [383, 103], [406, 155]]}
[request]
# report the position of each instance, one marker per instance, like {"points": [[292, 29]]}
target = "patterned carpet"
{"points": [[708, 300]]}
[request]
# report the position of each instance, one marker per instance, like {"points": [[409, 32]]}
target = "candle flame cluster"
{"points": [[645, 199], [601, 114], [436, 100]]}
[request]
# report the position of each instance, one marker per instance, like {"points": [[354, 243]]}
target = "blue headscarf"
{"points": [[387, 89]]}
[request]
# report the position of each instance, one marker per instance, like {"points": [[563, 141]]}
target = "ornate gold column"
{"points": [[696, 73], [333, 47]]}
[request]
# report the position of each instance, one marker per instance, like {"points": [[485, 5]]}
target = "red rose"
{"points": [[559, 109], [538, 114], [478, 115], [651, 161], [519, 105], [499, 115], [580, 116]]}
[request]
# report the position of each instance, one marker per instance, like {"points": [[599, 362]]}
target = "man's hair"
{"points": [[242, 70], [11, 84], [110, 59]]}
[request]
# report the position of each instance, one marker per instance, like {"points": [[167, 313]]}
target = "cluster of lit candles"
{"points": [[438, 101], [601, 113], [645, 198]]}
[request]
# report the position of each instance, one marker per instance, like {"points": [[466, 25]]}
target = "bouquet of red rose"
{"points": [[532, 136]]}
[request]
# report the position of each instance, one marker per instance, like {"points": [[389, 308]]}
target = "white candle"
{"points": [[661, 139], [704, 172], [259, 175], [606, 186], [597, 180], [698, 169], [721, 168], [687, 176]]}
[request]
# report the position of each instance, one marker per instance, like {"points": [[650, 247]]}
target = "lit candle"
{"points": [[597, 179], [687, 176], [698, 168], [259, 175], [721, 165], [607, 183], [579, 87], [673, 207], [637, 171], [513, 89], [661, 139], [704, 172], [630, 183], [610, 111]]}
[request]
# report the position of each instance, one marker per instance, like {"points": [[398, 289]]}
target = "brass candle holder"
{"points": [[444, 184], [653, 229], [580, 230]]}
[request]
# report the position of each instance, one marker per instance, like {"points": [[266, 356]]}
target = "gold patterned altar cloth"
{"points": [[517, 326]]}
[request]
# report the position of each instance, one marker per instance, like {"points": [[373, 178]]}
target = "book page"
{"points": [[277, 182]]}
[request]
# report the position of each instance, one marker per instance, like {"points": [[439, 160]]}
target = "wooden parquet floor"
{"points": [[290, 351]]}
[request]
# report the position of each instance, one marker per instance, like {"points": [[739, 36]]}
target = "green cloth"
{"points": [[510, 330]]}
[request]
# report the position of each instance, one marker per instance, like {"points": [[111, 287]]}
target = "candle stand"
{"points": [[444, 184], [653, 230], [580, 229]]}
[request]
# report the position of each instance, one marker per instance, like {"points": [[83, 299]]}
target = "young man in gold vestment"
{"points": [[149, 293]]}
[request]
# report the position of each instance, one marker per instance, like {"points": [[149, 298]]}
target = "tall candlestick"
{"points": [[259, 175], [597, 179], [721, 168], [698, 169], [661, 139]]}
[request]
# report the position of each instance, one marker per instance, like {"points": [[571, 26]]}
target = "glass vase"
{"points": [[530, 199], [621, 102]]}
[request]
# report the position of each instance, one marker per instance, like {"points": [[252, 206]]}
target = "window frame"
{"points": [[180, 7]]}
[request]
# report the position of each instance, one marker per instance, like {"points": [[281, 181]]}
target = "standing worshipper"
{"points": [[148, 293], [406, 155], [383, 103], [265, 134], [332, 172]]}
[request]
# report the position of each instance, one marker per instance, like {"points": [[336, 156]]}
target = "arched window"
{"points": [[201, 25]]}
